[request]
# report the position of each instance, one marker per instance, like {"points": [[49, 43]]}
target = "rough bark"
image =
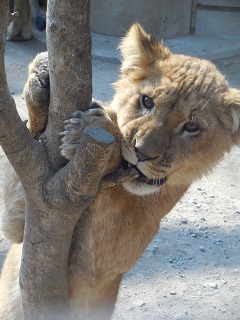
{"points": [[55, 198], [50, 221], [70, 63]]}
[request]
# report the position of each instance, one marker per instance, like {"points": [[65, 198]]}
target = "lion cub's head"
{"points": [[177, 114]]}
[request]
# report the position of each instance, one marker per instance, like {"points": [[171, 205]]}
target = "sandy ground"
{"points": [[191, 270]]}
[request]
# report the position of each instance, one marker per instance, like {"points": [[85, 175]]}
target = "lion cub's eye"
{"points": [[191, 127], [146, 101]]}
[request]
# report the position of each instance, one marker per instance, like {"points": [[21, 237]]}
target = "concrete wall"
{"points": [[164, 18], [229, 3], [217, 21]]}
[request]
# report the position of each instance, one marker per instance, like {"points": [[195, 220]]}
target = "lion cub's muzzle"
{"points": [[142, 178], [148, 162]]}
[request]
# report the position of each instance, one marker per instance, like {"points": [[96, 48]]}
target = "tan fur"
{"points": [[37, 100], [13, 218], [115, 229]]}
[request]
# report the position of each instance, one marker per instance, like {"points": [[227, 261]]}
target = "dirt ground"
{"points": [[191, 270]]}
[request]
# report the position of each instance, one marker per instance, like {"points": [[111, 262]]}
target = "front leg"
{"points": [[96, 117], [37, 94], [21, 27]]}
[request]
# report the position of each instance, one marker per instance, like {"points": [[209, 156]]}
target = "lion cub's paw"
{"points": [[37, 89], [96, 116]]}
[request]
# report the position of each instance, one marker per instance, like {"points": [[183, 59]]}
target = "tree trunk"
{"points": [[50, 220], [52, 207], [70, 63]]}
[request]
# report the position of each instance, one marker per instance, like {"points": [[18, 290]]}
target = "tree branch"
{"points": [[15, 139], [70, 65], [78, 182], [49, 226]]}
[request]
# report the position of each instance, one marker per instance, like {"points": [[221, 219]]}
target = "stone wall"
{"points": [[218, 18], [164, 18]]}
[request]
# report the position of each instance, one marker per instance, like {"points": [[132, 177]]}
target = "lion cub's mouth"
{"points": [[142, 177]]}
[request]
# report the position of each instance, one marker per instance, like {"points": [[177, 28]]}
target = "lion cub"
{"points": [[177, 117]]}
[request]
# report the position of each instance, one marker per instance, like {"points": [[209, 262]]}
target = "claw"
{"points": [[75, 120], [63, 133]]}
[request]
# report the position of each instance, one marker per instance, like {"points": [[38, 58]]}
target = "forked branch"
{"points": [[15, 139]]}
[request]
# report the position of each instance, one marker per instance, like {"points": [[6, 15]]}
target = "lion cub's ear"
{"points": [[140, 51], [232, 101]]}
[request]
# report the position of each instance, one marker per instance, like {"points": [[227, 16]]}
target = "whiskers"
{"points": [[201, 119], [205, 104], [194, 108], [179, 175], [198, 113]]}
